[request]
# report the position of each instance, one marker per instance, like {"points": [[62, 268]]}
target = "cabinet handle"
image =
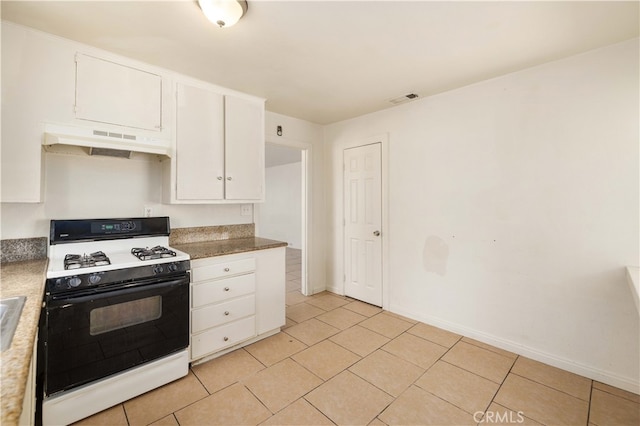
{"points": [[219, 177], [226, 269], [226, 289], [225, 338], [226, 312], [228, 177]]}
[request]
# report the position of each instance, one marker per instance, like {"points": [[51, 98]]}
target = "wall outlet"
{"points": [[246, 209], [148, 211]]}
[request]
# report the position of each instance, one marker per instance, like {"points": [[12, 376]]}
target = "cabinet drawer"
{"points": [[223, 269], [220, 290], [222, 313], [221, 337]]}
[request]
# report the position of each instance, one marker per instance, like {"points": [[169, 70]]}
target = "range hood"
{"points": [[103, 142]]}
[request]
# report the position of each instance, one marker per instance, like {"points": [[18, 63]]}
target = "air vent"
{"points": [[108, 152], [404, 98], [114, 135]]}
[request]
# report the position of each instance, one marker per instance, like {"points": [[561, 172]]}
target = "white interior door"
{"points": [[362, 223]]}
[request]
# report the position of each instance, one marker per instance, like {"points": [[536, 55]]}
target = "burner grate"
{"points": [[77, 261], [156, 252]]}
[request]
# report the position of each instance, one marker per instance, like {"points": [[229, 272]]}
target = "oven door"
{"points": [[90, 337]]}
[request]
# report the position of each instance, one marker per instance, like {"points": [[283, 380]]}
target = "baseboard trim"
{"points": [[603, 376]]}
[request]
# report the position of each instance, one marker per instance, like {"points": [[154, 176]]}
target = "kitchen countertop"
{"points": [[20, 279], [205, 249]]}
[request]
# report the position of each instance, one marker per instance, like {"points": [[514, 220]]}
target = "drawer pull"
{"points": [[226, 312], [225, 338], [226, 269], [226, 289]]}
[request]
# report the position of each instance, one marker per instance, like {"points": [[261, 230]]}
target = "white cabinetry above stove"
{"points": [[112, 93], [219, 147]]}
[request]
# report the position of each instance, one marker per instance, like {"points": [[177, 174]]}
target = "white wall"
{"points": [[100, 187], [530, 183], [280, 215]]}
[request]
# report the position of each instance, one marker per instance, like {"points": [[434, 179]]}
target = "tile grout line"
{"points": [[552, 388], [493, 399], [590, 401], [616, 395]]}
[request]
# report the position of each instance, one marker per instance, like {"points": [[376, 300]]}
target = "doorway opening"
{"points": [[284, 214]]}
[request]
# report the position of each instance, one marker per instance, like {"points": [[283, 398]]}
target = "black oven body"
{"points": [[92, 334]]}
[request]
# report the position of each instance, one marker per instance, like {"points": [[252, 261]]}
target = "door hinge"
{"points": [[344, 278]]}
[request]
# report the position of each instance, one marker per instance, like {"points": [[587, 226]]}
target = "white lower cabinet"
{"points": [[235, 300], [221, 313], [217, 338]]}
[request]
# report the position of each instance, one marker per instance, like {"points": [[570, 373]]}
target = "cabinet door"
{"points": [[244, 153], [221, 269], [220, 290], [270, 289], [222, 337], [199, 144], [107, 92], [221, 313]]}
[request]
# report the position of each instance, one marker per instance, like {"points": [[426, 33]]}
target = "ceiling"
{"points": [[327, 61]]}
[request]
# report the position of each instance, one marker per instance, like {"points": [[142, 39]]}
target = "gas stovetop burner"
{"points": [[156, 252], [77, 261]]}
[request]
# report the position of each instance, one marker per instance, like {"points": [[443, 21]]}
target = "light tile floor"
{"points": [[341, 361]]}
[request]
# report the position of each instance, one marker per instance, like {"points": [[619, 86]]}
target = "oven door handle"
{"points": [[122, 290]]}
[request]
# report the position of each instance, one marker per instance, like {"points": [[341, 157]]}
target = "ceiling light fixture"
{"points": [[223, 13]]}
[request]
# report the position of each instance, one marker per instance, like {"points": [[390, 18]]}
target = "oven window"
{"points": [[114, 317]]}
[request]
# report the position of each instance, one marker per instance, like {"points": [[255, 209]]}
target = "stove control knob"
{"points": [[59, 284], [172, 267], [158, 269], [74, 282], [94, 278]]}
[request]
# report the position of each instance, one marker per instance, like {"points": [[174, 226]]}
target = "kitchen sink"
{"points": [[10, 310]]}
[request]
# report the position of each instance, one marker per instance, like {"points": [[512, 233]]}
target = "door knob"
{"points": [[376, 233]]}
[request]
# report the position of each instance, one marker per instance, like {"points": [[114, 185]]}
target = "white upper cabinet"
{"points": [[37, 85], [244, 156], [111, 93], [219, 147], [199, 144]]}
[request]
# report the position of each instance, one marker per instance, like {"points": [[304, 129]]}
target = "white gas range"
{"points": [[116, 314]]}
